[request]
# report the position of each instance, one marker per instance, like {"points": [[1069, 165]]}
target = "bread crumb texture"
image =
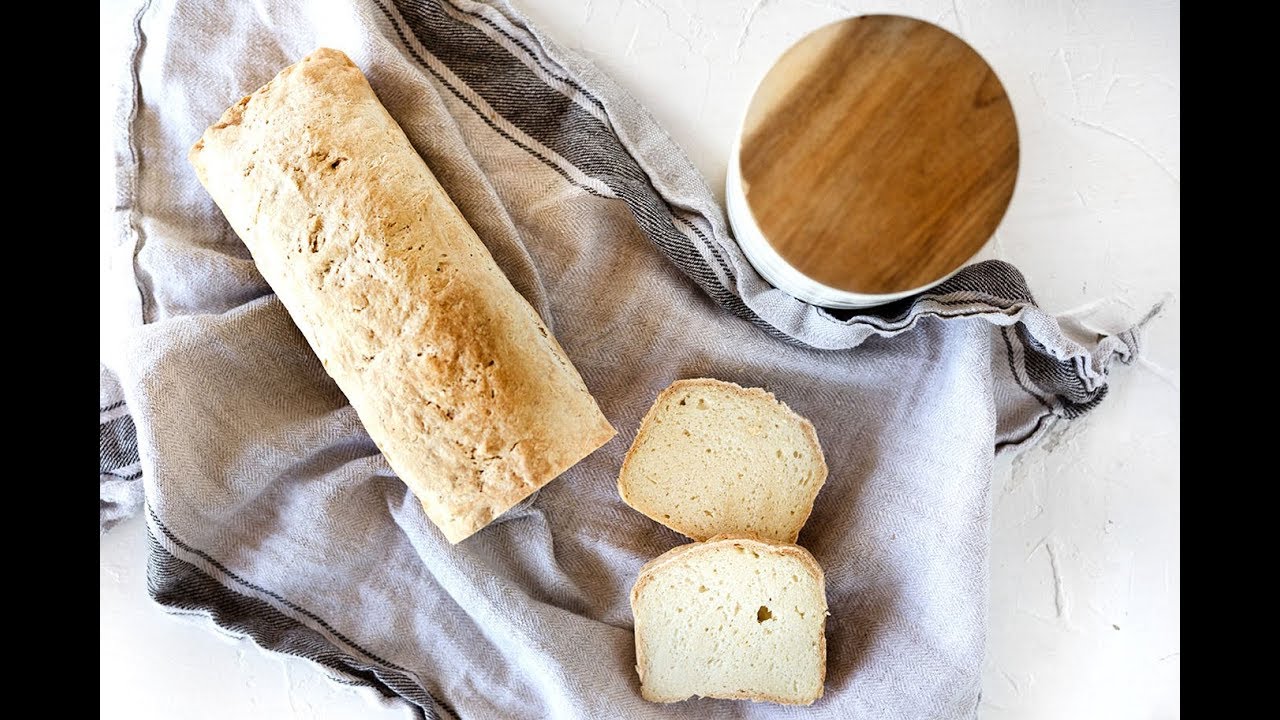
{"points": [[732, 618], [453, 374], [712, 457]]}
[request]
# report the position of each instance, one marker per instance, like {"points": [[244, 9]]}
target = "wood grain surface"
{"points": [[879, 154]]}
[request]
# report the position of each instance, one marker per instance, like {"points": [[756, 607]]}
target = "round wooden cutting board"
{"points": [[878, 154]]}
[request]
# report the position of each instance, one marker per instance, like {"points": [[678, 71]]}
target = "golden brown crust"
{"points": [[646, 426], [749, 541], [452, 372]]}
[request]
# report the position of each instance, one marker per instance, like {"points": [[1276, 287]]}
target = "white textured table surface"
{"points": [[1085, 561]]}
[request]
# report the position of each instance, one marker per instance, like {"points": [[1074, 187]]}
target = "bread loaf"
{"points": [[451, 371], [733, 617], [712, 457]]}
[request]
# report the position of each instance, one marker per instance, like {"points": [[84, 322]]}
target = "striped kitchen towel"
{"points": [[273, 516]]}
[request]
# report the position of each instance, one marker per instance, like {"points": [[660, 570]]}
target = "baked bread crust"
{"points": [[751, 542], [451, 371]]}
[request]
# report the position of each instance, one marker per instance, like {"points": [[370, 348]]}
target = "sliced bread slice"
{"points": [[712, 457], [735, 618]]}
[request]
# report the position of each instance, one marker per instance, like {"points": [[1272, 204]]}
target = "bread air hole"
{"points": [[763, 614]]}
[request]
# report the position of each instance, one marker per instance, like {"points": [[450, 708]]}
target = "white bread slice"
{"points": [[734, 617], [712, 457]]}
